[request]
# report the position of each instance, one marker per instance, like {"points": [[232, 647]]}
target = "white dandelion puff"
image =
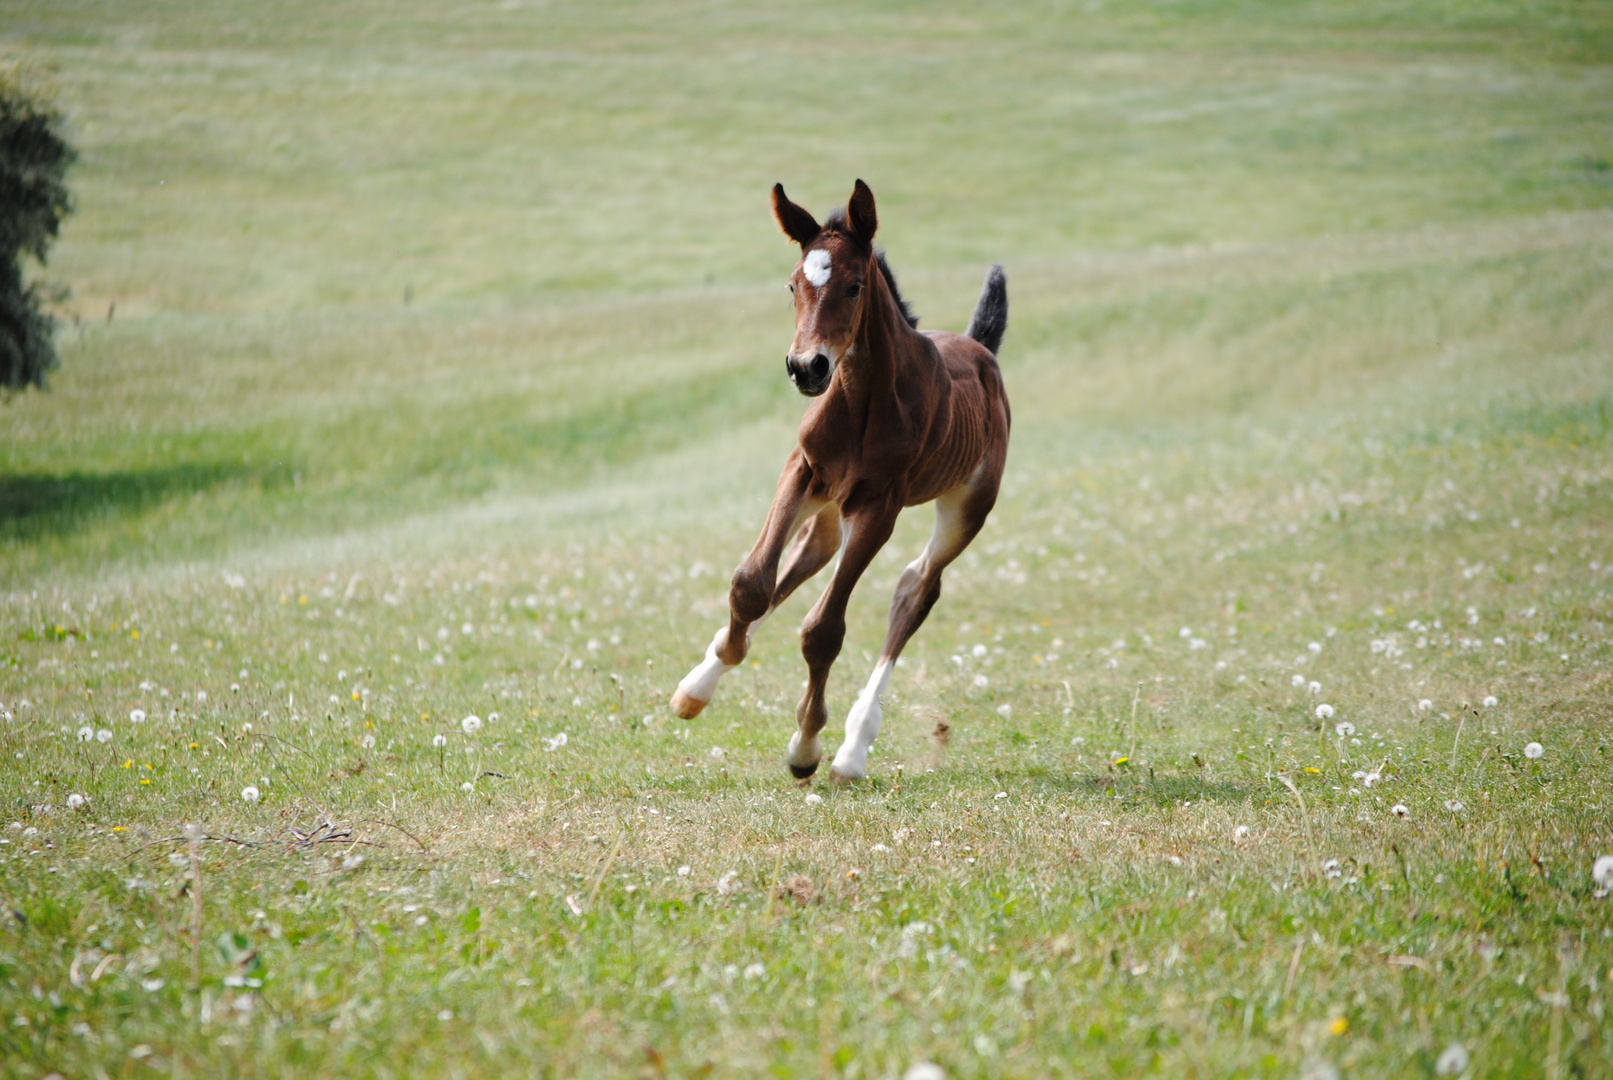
{"points": [[103, 736], [813, 799], [684, 871], [1314, 687], [1324, 711], [1297, 680], [75, 800], [250, 794], [467, 787], [718, 753], [879, 849], [1490, 702], [439, 741], [1315, 647], [1455, 806], [1005, 710], [978, 651], [1452, 1061], [1240, 835], [1424, 705], [1534, 751], [471, 724], [1344, 728], [754, 971], [85, 734], [368, 742], [555, 742], [1602, 871], [982, 681], [1400, 810], [924, 1070], [137, 716]]}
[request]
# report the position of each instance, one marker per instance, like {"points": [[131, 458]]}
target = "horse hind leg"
{"points": [[959, 515]]}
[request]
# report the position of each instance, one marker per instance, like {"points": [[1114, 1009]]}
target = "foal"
{"points": [[901, 418]]}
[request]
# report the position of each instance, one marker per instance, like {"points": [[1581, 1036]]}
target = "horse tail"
{"points": [[990, 319]]}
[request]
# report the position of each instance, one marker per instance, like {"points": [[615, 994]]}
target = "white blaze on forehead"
{"points": [[816, 267]]}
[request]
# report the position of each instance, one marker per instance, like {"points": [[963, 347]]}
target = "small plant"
{"points": [[34, 157]]}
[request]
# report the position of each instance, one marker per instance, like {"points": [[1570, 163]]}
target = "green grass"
{"points": [[416, 367]]}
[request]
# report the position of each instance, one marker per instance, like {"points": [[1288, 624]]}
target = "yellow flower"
{"points": [[302, 599], [134, 634], [1340, 1026], [145, 780], [1121, 760], [355, 695], [118, 828], [1309, 769], [194, 745], [129, 764]]}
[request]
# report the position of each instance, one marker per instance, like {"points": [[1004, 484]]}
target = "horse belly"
{"points": [[957, 453]]}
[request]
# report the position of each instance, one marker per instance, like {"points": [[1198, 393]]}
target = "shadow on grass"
{"points": [[40, 505]]}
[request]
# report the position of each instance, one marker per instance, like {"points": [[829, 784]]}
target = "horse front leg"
{"points": [[823, 632], [750, 593]]}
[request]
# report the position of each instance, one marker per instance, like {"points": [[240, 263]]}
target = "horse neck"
{"points": [[869, 375]]}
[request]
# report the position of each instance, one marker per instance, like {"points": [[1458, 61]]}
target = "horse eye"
{"points": [[790, 286], [854, 290]]}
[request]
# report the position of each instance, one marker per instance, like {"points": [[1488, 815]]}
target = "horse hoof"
{"points": [[837, 777], [802, 772], [685, 706]]}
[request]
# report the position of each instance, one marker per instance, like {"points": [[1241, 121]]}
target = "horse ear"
{"points": [[862, 217], [797, 224]]}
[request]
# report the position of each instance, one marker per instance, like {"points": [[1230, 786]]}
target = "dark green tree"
{"points": [[34, 156]]}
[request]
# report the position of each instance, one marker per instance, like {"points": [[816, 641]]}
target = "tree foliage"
{"points": [[34, 157]]}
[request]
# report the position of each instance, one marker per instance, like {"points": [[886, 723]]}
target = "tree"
{"points": [[34, 156]]}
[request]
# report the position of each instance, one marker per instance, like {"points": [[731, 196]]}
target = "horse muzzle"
{"points": [[810, 374]]}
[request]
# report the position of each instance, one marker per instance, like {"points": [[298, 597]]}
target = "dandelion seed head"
{"points": [[1453, 1060], [471, 724], [1297, 680], [467, 787], [1490, 702], [924, 1070], [439, 741], [684, 871], [1400, 810], [1424, 705], [75, 800], [754, 971], [978, 651], [1602, 871], [1314, 687], [1455, 806], [1324, 711], [1534, 751], [103, 736], [85, 734], [1240, 834], [368, 742], [1005, 710], [249, 794], [813, 798], [718, 753], [1344, 728], [137, 716], [981, 680]]}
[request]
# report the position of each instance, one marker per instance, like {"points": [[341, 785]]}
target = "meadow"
{"points": [[421, 364]]}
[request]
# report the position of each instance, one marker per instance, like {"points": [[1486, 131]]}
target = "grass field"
{"points": [[422, 362]]}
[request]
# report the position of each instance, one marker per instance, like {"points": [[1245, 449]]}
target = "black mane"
{"points": [[896, 294]]}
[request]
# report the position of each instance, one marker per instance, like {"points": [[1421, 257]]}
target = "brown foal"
{"points": [[900, 418]]}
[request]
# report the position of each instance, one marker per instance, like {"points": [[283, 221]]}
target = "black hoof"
{"points": [[801, 772]]}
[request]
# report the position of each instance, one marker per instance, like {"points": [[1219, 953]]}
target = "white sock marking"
{"points": [[862, 724], [816, 267], [701, 682]]}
